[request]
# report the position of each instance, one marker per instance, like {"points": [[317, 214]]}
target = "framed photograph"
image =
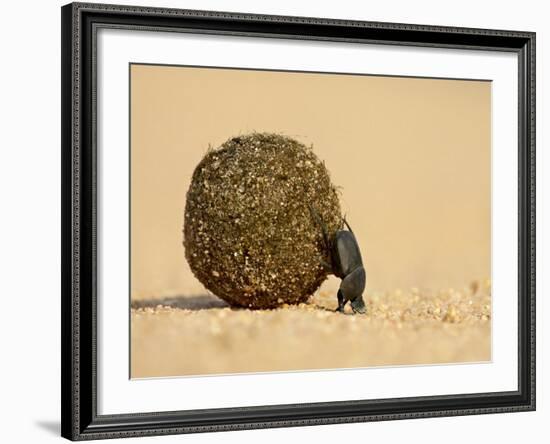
{"points": [[275, 221]]}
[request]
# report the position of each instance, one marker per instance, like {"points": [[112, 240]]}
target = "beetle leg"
{"points": [[320, 222], [347, 225], [358, 305], [341, 302], [326, 265], [352, 287]]}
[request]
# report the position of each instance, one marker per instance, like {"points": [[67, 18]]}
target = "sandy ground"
{"points": [[198, 335]]}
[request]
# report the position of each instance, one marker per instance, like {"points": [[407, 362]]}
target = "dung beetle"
{"points": [[345, 263]]}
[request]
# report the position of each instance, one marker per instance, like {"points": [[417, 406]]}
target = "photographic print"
{"points": [[293, 221]]}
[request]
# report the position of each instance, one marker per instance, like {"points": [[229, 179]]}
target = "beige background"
{"points": [[412, 157]]}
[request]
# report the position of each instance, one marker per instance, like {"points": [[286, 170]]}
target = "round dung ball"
{"points": [[253, 223]]}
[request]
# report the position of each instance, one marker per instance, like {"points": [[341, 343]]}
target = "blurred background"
{"points": [[411, 156]]}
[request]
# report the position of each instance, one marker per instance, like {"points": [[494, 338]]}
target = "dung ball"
{"points": [[250, 234]]}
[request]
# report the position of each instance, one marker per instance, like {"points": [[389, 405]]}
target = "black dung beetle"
{"points": [[346, 263]]}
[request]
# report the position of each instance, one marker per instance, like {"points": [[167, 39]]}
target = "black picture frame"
{"points": [[79, 171]]}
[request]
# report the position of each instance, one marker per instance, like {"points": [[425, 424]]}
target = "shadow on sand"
{"points": [[197, 302], [200, 302]]}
